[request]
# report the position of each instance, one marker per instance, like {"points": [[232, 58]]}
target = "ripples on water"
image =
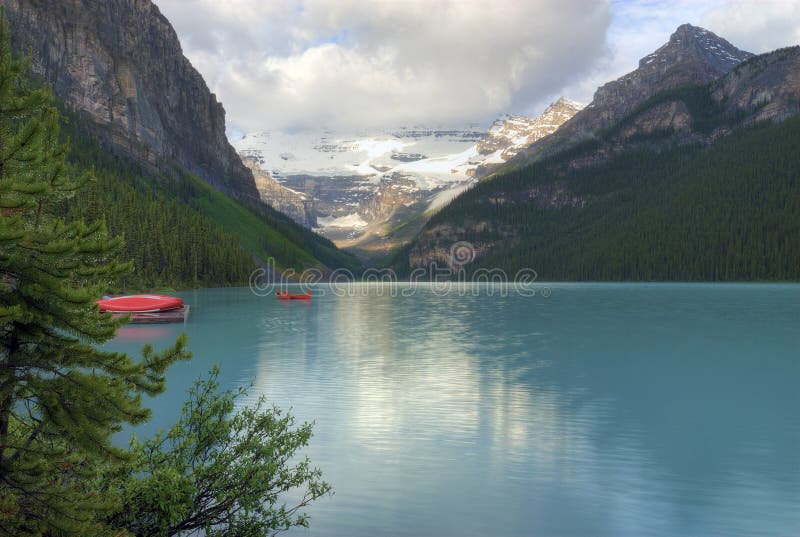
{"points": [[601, 410]]}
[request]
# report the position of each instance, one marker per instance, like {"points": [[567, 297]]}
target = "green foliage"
{"points": [[265, 241], [60, 397], [727, 212], [217, 472]]}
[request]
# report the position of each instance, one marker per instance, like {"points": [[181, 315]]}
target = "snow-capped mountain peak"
{"points": [[510, 134], [693, 41]]}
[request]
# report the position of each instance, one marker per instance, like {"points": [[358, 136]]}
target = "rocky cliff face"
{"points": [[394, 192], [691, 56], [768, 85], [293, 204], [120, 64]]}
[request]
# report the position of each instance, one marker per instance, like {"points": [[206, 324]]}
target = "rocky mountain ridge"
{"points": [[760, 88], [293, 204], [767, 85], [508, 133], [511, 134], [692, 56], [120, 64]]}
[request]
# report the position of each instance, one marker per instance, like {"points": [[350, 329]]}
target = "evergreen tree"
{"points": [[60, 397]]}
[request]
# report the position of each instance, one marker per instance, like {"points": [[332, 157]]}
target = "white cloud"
{"points": [[347, 64], [351, 64], [757, 26]]}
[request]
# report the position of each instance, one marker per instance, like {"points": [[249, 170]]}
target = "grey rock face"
{"points": [[120, 64], [692, 56], [293, 204], [768, 84]]}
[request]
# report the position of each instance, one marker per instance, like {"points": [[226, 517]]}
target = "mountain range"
{"points": [[369, 191], [685, 168]]}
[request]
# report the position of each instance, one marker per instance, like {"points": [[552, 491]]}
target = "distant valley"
{"points": [[373, 191]]}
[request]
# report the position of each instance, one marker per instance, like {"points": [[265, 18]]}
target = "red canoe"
{"points": [[284, 295], [140, 303]]}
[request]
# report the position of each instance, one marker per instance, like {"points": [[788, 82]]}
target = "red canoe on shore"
{"points": [[285, 295], [140, 303]]}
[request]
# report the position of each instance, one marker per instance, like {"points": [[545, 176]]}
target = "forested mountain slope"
{"points": [[697, 182], [729, 212], [181, 232]]}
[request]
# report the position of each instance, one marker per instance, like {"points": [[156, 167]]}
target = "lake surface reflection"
{"points": [[604, 409]]}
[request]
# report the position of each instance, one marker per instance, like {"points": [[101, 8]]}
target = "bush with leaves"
{"points": [[218, 471]]}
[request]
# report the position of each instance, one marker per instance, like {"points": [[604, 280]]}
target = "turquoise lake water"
{"points": [[601, 410]]}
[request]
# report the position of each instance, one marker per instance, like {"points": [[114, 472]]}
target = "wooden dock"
{"points": [[177, 315]]}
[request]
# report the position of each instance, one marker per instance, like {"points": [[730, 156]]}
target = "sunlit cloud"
{"points": [[354, 64], [350, 65]]}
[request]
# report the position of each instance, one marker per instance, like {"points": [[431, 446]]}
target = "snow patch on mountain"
{"points": [[510, 134]]}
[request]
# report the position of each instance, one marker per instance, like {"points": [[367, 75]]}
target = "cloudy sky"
{"points": [[351, 65]]}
